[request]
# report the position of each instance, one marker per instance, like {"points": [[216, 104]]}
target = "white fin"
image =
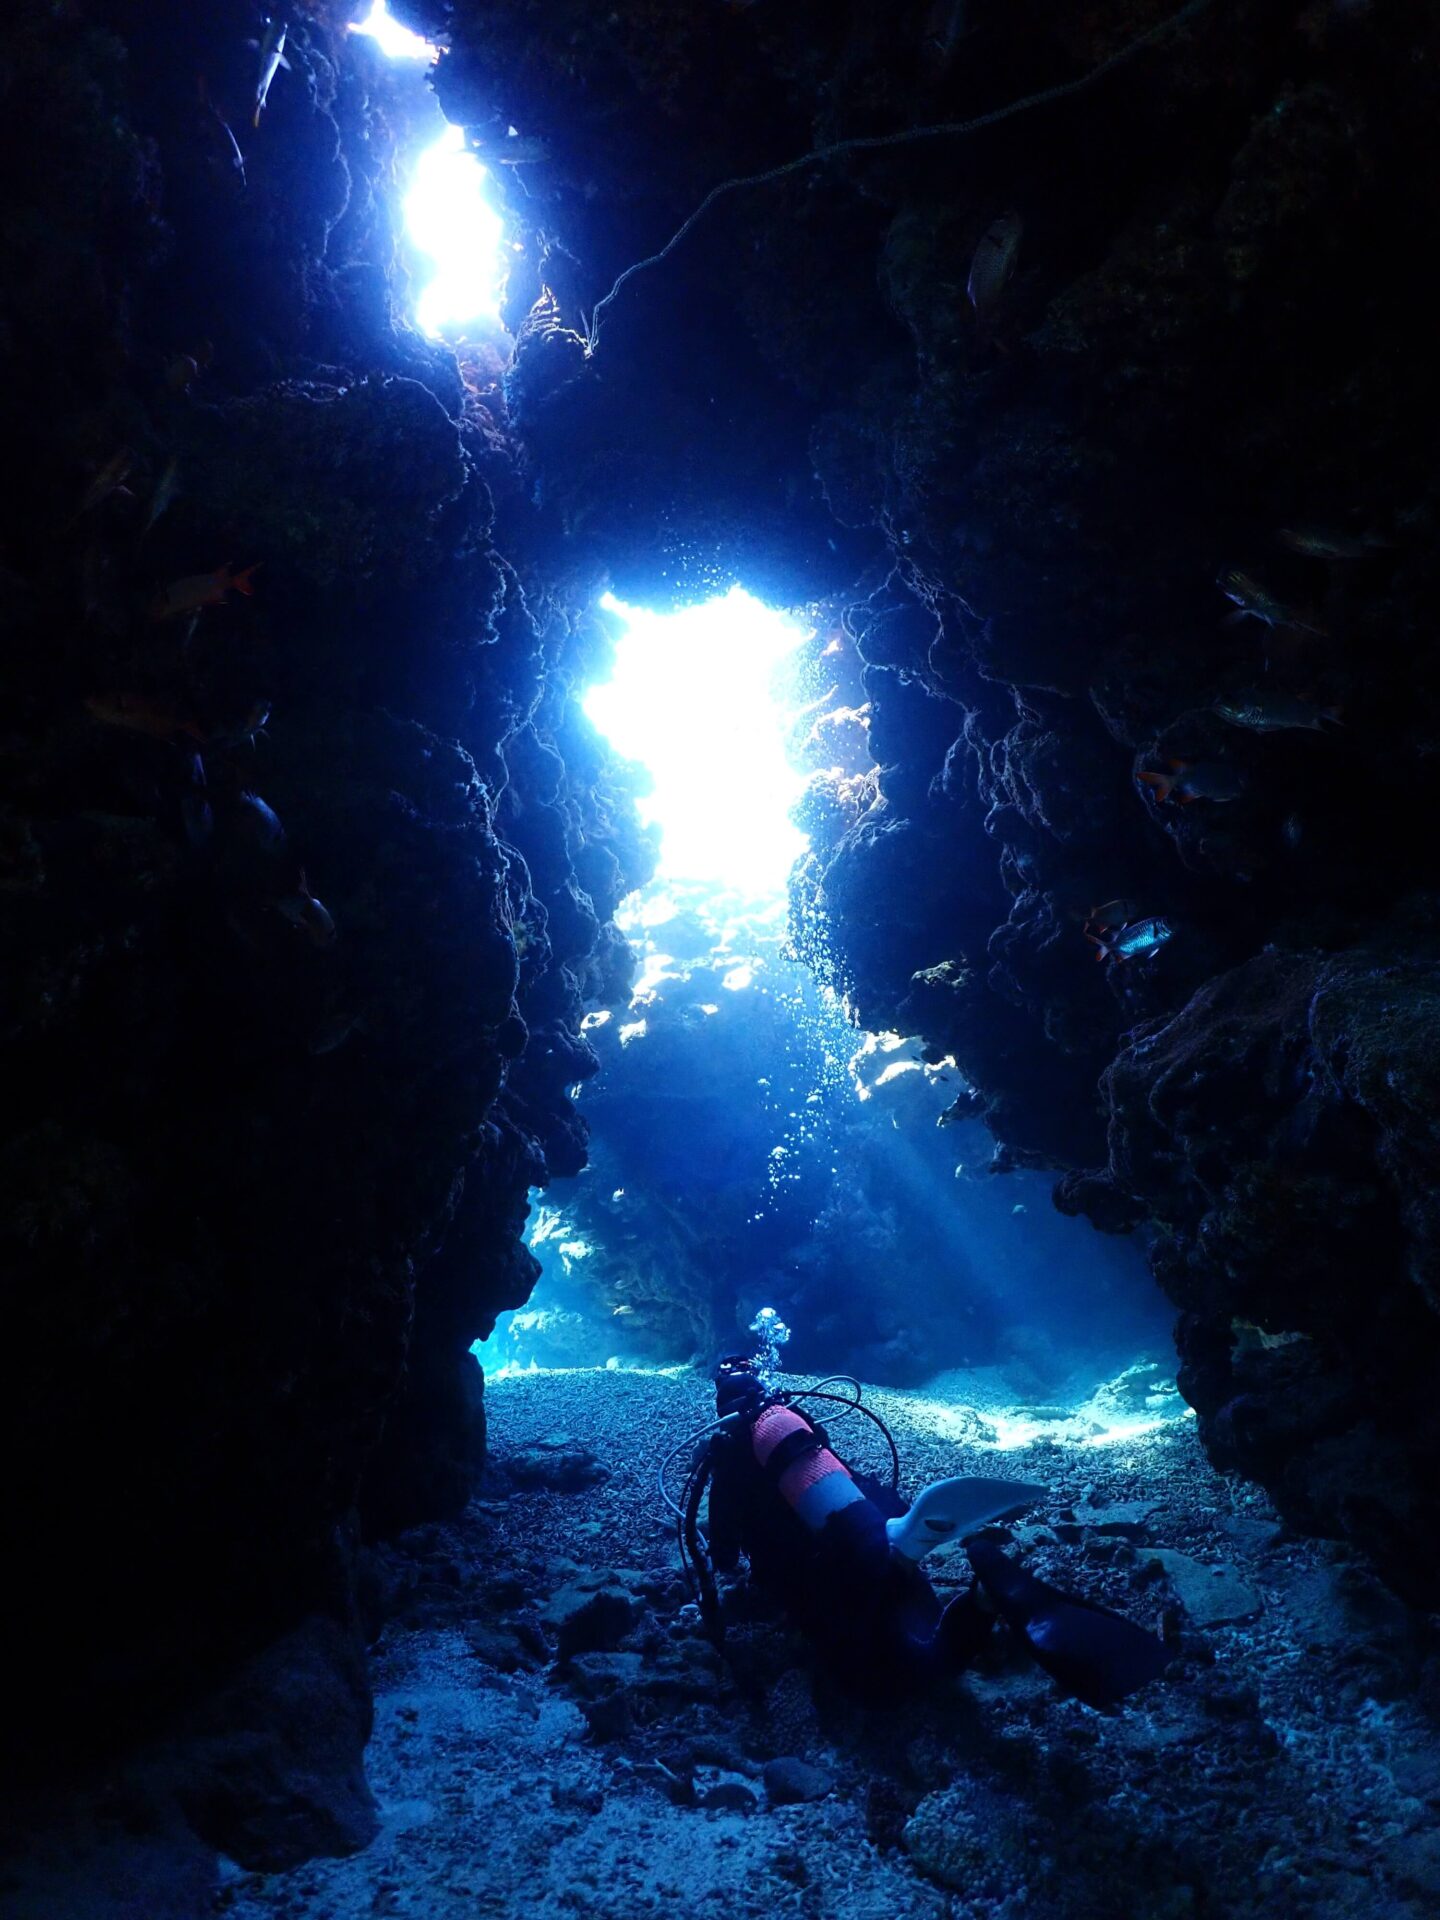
{"points": [[950, 1509]]}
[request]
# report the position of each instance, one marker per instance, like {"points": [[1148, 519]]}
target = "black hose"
{"points": [[706, 1591]]}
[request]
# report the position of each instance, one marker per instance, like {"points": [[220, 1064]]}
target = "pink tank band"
{"points": [[817, 1484], [771, 1428]]}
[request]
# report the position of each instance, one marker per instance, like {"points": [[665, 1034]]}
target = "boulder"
{"points": [[1213, 1596], [591, 1619], [789, 1781], [557, 1464]]}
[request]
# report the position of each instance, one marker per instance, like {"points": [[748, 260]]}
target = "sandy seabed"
{"points": [[1289, 1765]]}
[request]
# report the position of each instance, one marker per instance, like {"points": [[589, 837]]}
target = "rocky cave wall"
{"points": [[1212, 355], [303, 891]]}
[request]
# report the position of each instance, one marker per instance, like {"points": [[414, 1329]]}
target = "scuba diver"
{"points": [[841, 1552]]}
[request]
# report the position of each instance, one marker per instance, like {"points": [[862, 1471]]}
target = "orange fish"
{"points": [[196, 590], [1189, 780], [1115, 914], [140, 713]]}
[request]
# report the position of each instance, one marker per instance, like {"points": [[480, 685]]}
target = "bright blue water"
{"points": [[752, 1147]]}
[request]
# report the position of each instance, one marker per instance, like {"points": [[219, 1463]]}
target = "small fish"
{"points": [[228, 143], [519, 150], [196, 814], [1330, 543], [942, 29], [1255, 602], [272, 58], [243, 729], [1262, 711], [615, 1312], [333, 1030], [166, 488], [1019, 1207], [196, 590], [256, 820], [304, 911], [140, 713], [1136, 942], [111, 477], [22, 867], [1250, 1337], [186, 368], [1114, 913], [1188, 780], [991, 268]]}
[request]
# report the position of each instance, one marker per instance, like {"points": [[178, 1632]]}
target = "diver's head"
{"points": [[738, 1387]]}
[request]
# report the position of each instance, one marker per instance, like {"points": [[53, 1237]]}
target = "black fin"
{"points": [[1094, 1654]]}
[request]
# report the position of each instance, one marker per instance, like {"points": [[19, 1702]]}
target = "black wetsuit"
{"points": [[870, 1610]]}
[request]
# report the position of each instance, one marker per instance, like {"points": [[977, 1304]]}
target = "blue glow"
{"points": [[394, 41], [450, 219], [699, 698]]}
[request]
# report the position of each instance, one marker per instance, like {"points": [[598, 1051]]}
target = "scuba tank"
{"points": [[841, 1551]]}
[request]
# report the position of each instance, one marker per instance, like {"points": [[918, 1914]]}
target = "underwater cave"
{"points": [[720, 1186]]}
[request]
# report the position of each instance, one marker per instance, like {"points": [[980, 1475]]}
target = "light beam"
{"points": [[699, 698]]}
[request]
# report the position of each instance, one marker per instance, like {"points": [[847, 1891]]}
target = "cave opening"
{"points": [[453, 218], [751, 1146]]}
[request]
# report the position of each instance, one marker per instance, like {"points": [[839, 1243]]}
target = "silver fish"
{"points": [[1263, 711], [166, 488], [272, 58], [1137, 941], [1255, 602], [1328, 543], [518, 150], [991, 268]]}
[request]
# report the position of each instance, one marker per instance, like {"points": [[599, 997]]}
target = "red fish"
{"points": [[1114, 913], [1186, 781], [196, 590], [140, 713]]}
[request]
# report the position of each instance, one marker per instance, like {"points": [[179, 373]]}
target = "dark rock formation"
{"points": [[303, 889]]}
